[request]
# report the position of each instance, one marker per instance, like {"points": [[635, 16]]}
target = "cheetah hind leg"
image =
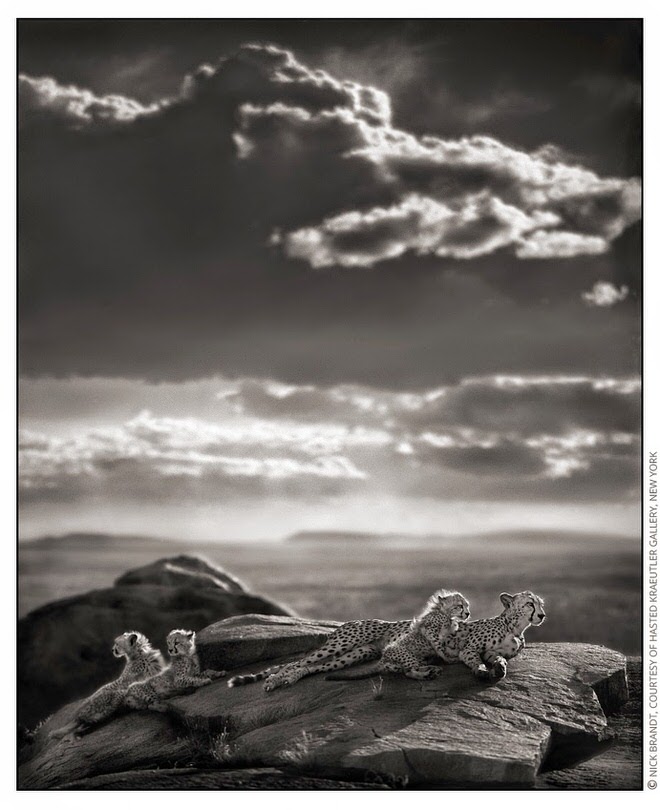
{"points": [[423, 673], [366, 652], [349, 636]]}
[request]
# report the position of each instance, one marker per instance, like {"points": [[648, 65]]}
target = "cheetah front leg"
{"points": [[194, 682], [472, 659], [423, 673], [213, 674], [497, 664]]}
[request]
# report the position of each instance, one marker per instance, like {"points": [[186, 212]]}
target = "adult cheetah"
{"points": [[485, 645], [404, 645]]}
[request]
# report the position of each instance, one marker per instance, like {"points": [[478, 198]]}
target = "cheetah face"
{"points": [[528, 604], [181, 642], [126, 644], [459, 607]]}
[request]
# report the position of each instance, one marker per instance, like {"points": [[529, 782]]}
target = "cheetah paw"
{"points": [[498, 671], [483, 673]]}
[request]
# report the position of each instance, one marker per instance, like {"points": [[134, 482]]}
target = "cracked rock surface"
{"points": [[550, 712]]}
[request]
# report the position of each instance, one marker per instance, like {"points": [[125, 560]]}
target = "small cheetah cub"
{"points": [[183, 673], [142, 661]]}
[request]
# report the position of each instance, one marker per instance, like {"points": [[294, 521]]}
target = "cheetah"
{"points": [[142, 662], [403, 644], [485, 645], [184, 672]]}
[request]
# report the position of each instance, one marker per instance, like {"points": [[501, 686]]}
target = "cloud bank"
{"points": [[528, 437]]}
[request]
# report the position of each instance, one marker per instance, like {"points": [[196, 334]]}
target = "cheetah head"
{"points": [[449, 603], [442, 614], [128, 643], [526, 604], [181, 642]]}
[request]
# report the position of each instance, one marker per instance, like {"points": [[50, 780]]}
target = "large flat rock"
{"points": [[550, 712], [242, 640]]}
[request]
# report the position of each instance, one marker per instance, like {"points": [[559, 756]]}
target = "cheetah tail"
{"points": [[374, 669], [241, 680]]}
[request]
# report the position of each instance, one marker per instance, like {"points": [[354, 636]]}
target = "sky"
{"points": [[281, 275]]}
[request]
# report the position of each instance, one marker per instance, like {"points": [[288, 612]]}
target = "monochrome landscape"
{"points": [[349, 309]]}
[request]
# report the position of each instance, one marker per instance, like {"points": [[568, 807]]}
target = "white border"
{"points": [[297, 9]]}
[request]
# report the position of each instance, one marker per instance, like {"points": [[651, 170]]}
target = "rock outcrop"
{"points": [[63, 647], [550, 712]]}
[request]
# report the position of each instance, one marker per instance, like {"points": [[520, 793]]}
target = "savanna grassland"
{"points": [[591, 584]]}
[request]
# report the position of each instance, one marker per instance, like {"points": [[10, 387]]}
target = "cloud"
{"points": [[174, 240], [460, 199], [481, 186], [420, 224], [150, 457], [43, 99], [605, 294], [499, 437], [615, 91], [560, 245]]}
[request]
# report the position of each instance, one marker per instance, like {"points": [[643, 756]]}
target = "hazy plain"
{"points": [[591, 584]]}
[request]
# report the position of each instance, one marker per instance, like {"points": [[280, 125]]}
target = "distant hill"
{"points": [[531, 536], [352, 537], [97, 538]]}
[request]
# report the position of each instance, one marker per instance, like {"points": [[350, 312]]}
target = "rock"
{"points": [[128, 742], [550, 712], [199, 779], [64, 647], [182, 570], [619, 767], [242, 640]]}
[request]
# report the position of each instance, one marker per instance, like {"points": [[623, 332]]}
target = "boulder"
{"points": [[242, 640], [64, 647], [550, 712]]}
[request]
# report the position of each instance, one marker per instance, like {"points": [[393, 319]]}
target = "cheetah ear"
{"points": [[132, 639], [506, 599], [190, 633]]}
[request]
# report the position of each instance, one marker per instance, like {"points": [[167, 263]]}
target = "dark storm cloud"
{"points": [[157, 238]]}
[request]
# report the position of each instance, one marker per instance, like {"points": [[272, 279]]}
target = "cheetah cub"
{"points": [[184, 672], [142, 662]]}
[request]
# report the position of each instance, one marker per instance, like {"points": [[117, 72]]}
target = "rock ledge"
{"points": [[550, 712]]}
